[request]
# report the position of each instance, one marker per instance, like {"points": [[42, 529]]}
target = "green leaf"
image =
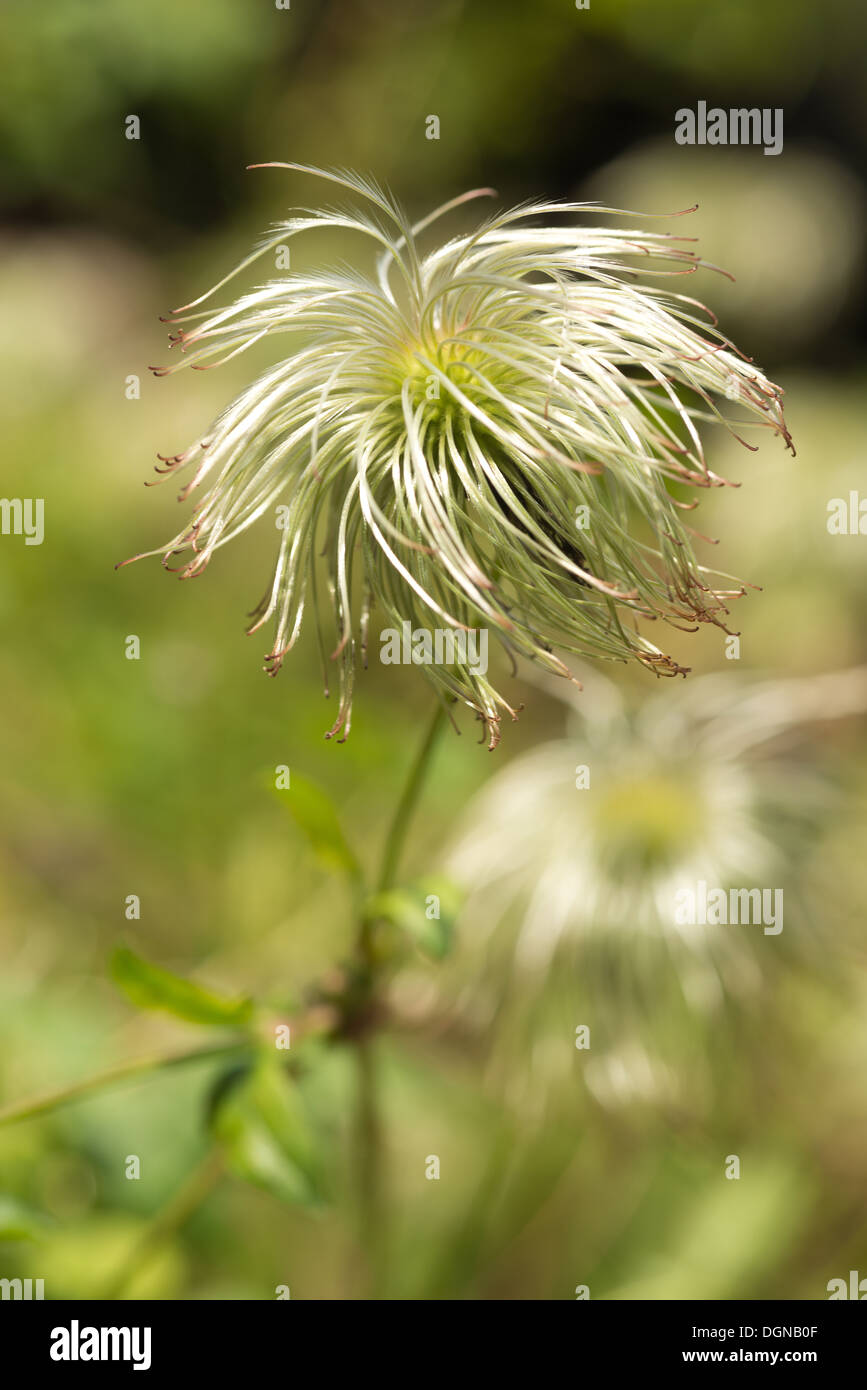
{"points": [[150, 987], [265, 1129], [314, 813], [20, 1222], [425, 910]]}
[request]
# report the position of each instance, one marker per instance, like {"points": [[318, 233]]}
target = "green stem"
{"points": [[368, 1139], [27, 1110], [173, 1216], [397, 832], [368, 1124]]}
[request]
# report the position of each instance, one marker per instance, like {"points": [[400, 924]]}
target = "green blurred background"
{"points": [[558, 1167]]}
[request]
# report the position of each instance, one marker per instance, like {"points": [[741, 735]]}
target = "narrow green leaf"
{"points": [[150, 987], [265, 1129], [20, 1222], [425, 910], [314, 813]]}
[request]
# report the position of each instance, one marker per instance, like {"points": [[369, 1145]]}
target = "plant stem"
{"points": [[173, 1216], [397, 832], [368, 1141], [368, 1125], [27, 1110]]}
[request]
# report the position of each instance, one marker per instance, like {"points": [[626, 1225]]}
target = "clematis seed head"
{"points": [[500, 431]]}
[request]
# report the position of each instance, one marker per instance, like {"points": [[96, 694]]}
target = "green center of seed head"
{"points": [[644, 821], [427, 389]]}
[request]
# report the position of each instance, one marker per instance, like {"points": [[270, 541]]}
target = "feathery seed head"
{"points": [[493, 434]]}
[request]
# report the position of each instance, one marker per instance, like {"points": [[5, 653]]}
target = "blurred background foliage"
{"points": [[559, 1167]]}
